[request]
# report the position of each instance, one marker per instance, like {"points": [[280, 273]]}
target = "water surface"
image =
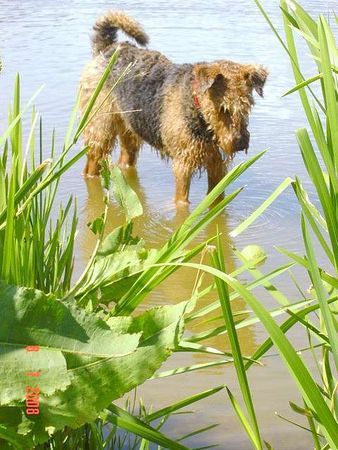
{"points": [[48, 42]]}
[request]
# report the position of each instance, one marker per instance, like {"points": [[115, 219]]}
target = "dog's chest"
{"points": [[199, 128]]}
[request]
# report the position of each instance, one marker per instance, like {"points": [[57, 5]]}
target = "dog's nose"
{"points": [[243, 142]]}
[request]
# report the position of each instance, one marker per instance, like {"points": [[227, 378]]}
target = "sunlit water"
{"points": [[48, 42]]}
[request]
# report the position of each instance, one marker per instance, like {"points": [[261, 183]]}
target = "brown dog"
{"points": [[195, 114]]}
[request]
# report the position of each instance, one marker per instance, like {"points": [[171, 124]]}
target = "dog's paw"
{"points": [[124, 166], [89, 175], [181, 203]]}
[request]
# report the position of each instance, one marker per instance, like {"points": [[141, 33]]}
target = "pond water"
{"points": [[48, 42]]}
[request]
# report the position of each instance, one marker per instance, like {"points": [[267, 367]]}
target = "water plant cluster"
{"points": [[71, 348]]}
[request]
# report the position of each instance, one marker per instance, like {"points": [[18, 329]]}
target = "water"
{"points": [[48, 42]]}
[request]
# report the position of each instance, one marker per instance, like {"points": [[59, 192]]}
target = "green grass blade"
{"points": [[289, 46], [258, 275], [224, 298], [333, 281], [321, 337], [199, 431], [243, 323], [72, 120], [258, 282], [316, 174], [27, 186], [285, 327], [123, 419], [197, 220], [15, 120], [321, 293], [330, 87], [9, 238], [46, 182], [244, 421], [293, 362], [182, 404], [305, 18], [96, 93], [180, 370], [303, 84], [259, 211], [313, 216]]}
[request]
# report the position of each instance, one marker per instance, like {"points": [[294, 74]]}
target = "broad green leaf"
{"points": [[104, 360], [10, 436], [124, 194], [65, 335], [119, 260], [106, 379]]}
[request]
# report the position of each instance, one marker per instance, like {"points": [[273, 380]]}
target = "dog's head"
{"points": [[225, 97]]}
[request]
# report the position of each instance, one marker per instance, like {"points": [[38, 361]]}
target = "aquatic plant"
{"points": [[57, 342], [87, 347], [318, 315]]}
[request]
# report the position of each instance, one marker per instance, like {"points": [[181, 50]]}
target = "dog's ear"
{"points": [[210, 77], [255, 77]]}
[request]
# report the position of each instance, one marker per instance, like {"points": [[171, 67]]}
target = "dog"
{"points": [[194, 114]]}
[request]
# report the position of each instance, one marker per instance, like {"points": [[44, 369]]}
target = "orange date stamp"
{"points": [[32, 394]]}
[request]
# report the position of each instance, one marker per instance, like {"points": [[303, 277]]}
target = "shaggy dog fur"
{"points": [[195, 114]]}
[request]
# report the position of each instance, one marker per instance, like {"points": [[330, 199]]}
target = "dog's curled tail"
{"points": [[106, 27]]}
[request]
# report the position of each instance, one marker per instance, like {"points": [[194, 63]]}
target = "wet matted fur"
{"points": [[195, 114]]}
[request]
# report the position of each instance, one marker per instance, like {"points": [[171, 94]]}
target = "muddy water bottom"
{"points": [[50, 45]]}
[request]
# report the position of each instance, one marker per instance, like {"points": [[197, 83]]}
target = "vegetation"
{"points": [[84, 343]]}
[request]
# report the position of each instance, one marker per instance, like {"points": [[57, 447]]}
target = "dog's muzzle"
{"points": [[242, 144]]}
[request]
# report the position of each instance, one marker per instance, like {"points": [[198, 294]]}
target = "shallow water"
{"points": [[48, 42]]}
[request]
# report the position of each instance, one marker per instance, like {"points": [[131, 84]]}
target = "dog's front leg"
{"points": [[182, 175], [216, 170]]}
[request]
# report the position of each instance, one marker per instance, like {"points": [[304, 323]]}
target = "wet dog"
{"points": [[194, 114]]}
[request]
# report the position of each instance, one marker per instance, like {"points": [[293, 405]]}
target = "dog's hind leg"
{"points": [[130, 146], [100, 136]]}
